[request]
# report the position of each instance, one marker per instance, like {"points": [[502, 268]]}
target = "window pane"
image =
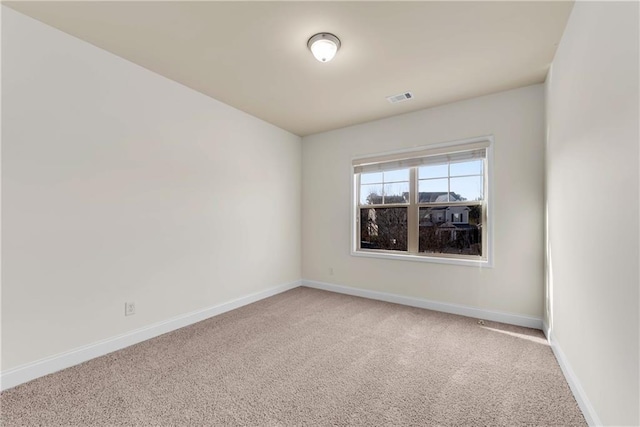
{"points": [[439, 235], [467, 188], [433, 171], [383, 228], [396, 193], [473, 167], [371, 194], [371, 178], [433, 190], [395, 176]]}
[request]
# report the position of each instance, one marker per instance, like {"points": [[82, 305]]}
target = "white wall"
{"points": [[120, 185], [592, 149], [515, 284]]}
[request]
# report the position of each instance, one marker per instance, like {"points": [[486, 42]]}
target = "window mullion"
{"points": [[448, 182], [412, 214]]}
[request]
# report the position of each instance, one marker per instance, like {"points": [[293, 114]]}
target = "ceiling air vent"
{"points": [[394, 99]]}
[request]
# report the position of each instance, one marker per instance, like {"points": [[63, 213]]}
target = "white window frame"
{"points": [[486, 261]]}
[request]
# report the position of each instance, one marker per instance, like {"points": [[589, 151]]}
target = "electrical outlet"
{"points": [[330, 271], [129, 308]]}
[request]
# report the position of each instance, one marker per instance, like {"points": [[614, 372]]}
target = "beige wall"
{"points": [[515, 284], [593, 122], [120, 185]]}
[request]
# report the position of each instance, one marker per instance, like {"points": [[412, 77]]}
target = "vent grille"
{"points": [[401, 97]]}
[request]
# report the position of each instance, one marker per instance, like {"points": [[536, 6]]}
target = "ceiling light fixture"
{"points": [[324, 46]]}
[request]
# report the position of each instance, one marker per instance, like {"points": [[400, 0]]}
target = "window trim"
{"points": [[406, 256]]}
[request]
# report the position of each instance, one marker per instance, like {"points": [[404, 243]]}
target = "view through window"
{"points": [[430, 202]]}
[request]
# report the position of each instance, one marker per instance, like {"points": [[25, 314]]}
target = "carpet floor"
{"points": [[310, 357]]}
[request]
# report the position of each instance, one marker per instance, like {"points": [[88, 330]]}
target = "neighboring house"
{"points": [[438, 197], [450, 229], [456, 215]]}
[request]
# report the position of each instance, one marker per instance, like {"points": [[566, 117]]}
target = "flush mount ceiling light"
{"points": [[324, 46]]}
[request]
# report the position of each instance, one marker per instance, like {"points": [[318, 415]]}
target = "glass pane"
{"points": [[439, 234], [383, 228], [473, 167], [433, 190], [396, 193], [395, 176], [433, 171], [371, 194], [371, 178], [467, 188]]}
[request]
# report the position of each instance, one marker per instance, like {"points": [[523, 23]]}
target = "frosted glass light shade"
{"points": [[324, 46]]}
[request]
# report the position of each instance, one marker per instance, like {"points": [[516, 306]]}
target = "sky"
{"points": [[463, 178]]}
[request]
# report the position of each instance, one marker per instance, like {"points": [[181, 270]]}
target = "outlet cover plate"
{"points": [[129, 308]]}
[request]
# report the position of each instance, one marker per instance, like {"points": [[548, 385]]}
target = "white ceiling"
{"points": [[253, 55]]}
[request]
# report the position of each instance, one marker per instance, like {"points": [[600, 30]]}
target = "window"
{"points": [[428, 204]]}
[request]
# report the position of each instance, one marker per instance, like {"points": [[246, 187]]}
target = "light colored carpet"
{"points": [[309, 357]]}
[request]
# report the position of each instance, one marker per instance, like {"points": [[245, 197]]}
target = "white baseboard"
{"points": [[587, 409], [546, 330], [39, 368], [30, 371], [478, 313]]}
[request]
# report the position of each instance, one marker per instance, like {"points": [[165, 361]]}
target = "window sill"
{"points": [[423, 258]]}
